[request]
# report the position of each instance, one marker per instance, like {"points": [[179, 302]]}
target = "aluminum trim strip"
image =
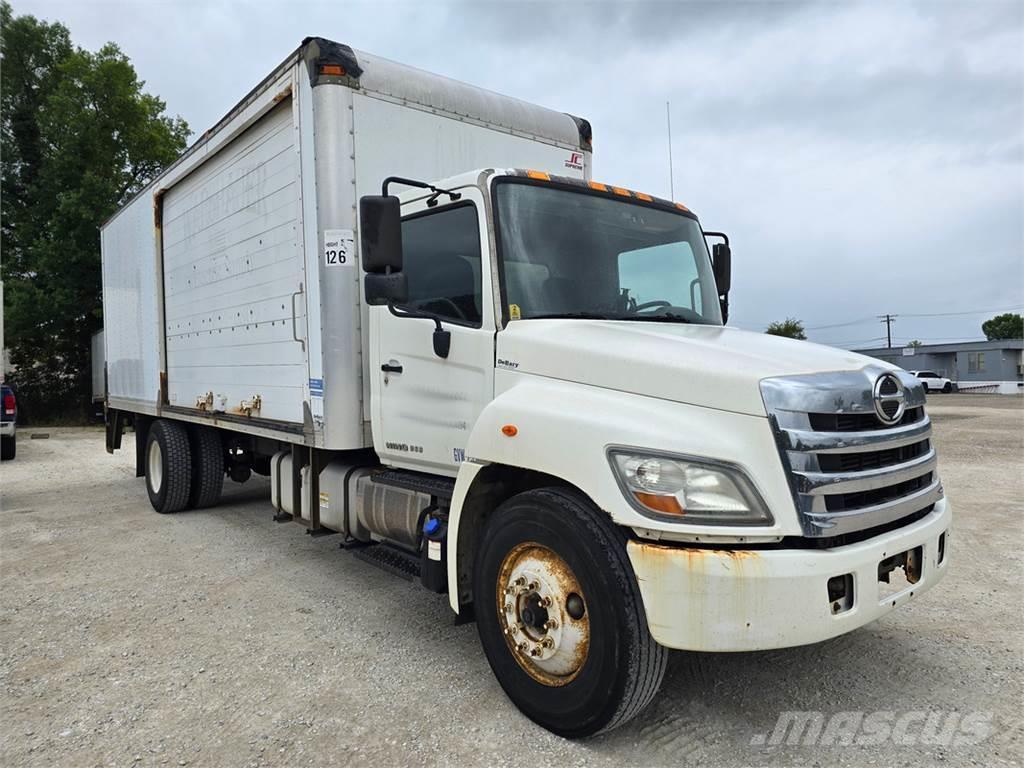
{"points": [[838, 523], [807, 441], [826, 483]]}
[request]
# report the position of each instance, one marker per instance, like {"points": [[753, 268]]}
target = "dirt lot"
{"points": [[221, 638]]}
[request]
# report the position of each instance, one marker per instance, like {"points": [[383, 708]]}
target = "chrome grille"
{"points": [[848, 471]]}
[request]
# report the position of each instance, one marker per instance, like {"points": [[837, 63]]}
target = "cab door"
{"points": [[424, 405]]}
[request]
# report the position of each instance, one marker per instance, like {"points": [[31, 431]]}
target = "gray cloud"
{"points": [[865, 157]]}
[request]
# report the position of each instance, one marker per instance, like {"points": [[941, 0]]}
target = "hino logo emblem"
{"points": [[890, 398]]}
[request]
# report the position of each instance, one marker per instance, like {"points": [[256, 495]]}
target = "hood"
{"points": [[703, 365]]}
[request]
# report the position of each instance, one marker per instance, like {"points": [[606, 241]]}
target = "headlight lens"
{"points": [[689, 490]]}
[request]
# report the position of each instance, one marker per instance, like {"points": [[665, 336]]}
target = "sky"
{"points": [[865, 158]]}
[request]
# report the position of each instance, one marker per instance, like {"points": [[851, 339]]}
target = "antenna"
{"points": [[671, 174]]}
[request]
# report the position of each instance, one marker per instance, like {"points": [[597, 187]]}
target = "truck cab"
{"points": [[772, 492]]}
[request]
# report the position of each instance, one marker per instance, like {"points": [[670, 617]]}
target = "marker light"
{"points": [[689, 489], [539, 175], [332, 69]]}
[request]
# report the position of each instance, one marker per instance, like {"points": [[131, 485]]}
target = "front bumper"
{"points": [[746, 600]]}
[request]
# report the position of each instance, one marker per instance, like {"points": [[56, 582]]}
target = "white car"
{"points": [[933, 382]]}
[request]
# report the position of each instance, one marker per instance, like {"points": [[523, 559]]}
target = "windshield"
{"points": [[569, 253]]}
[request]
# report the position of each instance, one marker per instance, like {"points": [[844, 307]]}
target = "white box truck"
{"points": [[405, 300]]}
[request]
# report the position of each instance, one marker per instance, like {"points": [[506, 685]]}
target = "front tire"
{"points": [[925, 385], [560, 615], [947, 387], [168, 466]]}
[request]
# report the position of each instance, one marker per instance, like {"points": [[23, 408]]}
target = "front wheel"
{"points": [[925, 385], [947, 387], [560, 615]]}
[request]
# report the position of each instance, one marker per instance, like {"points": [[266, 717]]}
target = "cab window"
{"points": [[441, 261]]}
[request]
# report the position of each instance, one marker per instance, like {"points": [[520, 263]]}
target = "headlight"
{"points": [[688, 489]]}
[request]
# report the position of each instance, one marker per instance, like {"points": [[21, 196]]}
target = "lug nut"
{"points": [[550, 624], [545, 602], [547, 642]]}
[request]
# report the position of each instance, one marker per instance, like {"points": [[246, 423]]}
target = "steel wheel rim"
{"points": [[543, 615], [155, 466]]}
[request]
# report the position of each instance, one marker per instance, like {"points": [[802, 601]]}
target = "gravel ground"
{"points": [[220, 638]]}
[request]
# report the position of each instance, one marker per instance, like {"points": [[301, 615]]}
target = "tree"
{"points": [[790, 327], [915, 344], [1006, 326], [80, 137]]}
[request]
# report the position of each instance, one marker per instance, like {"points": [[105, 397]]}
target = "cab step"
{"points": [[391, 559], [440, 487]]}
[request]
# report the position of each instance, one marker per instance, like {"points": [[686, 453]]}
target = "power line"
{"points": [[910, 314], [952, 314]]}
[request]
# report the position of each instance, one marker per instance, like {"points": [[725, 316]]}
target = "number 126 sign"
{"points": [[339, 247]]}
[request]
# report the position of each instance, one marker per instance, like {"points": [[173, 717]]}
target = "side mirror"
{"points": [[721, 262], [386, 288], [380, 228]]}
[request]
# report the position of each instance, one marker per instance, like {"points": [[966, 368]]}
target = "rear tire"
{"points": [[602, 666], [8, 448], [168, 466], [207, 467]]}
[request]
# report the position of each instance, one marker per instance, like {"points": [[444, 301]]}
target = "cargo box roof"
{"points": [[334, 63]]}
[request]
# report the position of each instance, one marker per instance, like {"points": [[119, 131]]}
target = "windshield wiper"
{"points": [[574, 315], [668, 317]]}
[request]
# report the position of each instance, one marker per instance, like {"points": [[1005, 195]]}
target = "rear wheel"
{"points": [[8, 447], [207, 466], [168, 466], [560, 615]]}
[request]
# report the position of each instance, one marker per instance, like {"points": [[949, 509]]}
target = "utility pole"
{"points": [[887, 319]]}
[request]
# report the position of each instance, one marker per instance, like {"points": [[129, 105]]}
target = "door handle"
{"points": [[295, 332], [392, 367]]}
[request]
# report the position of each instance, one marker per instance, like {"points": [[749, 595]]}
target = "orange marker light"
{"points": [[682, 207], [598, 186], [621, 191], [510, 430], [665, 504], [332, 69], [645, 198], [538, 175]]}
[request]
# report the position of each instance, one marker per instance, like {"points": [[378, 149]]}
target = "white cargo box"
{"points": [[231, 286]]}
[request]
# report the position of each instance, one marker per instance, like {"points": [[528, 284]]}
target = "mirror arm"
{"points": [[420, 185], [442, 338]]}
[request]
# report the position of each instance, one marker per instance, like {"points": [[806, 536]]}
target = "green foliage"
{"points": [[790, 327], [915, 344], [1006, 326], [80, 137]]}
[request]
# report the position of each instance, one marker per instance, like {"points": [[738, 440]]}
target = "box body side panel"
{"points": [[234, 277]]}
